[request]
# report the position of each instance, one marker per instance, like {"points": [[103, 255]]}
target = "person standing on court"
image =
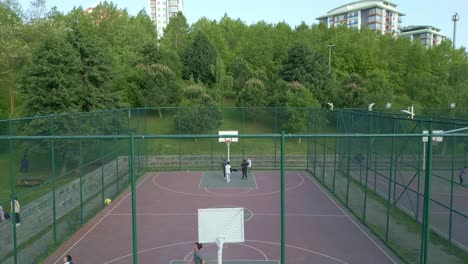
{"points": [[249, 164], [244, 169], [67, 260], [223, 167], [2, 214], [228, 172], [197, 256], [17, 210], [462, 174], [24, 165]]}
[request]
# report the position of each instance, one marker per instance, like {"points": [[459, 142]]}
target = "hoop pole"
{"points": [[220, 243], [228, 148]]}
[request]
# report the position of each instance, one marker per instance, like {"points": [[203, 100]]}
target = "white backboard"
{"points": [[232, 133], [227, 223], [434, 137]]}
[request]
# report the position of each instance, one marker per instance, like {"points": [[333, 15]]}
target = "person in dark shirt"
{"points": [[24, 165], [197, 256], [244, 166], [463, 173]]}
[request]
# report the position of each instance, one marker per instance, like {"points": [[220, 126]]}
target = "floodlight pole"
{"points": [[455, 18], [330, 46]]}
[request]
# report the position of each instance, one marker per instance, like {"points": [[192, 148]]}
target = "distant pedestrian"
{"points": [[2, 214], [228, 172], [244, 166], [197, 256], [463, 173], [17, 210], [223, 166], [24, 165], [67, 260], [249, 162]]}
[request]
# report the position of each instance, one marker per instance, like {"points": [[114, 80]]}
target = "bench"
{"points": [[29, 181]]}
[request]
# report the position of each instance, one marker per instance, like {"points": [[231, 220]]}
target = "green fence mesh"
{"points": [[374, 164]]}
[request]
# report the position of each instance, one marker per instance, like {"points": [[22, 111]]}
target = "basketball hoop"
{"points": [[228, 141]]}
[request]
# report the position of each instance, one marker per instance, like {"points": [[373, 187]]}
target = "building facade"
{"points": [[161, 12], [430, 36], [381, 16]]}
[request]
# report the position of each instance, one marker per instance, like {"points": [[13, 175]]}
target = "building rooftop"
{"points": [[418, 28], [359, 5]]}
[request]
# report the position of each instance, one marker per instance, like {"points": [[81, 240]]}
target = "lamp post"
{"points": [[455, 18], [330, 46]]}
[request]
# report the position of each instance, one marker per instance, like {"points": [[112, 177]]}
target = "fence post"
{"points": [[427, 201], [364, 214], [389, 195], [283, 203], [54, 212], [145, 140], [337, 149], [81, 180], [451, 189], [276, 131], [13, 191], [103, 187], [133, 187]]}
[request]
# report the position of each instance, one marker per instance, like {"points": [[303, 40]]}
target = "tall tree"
{"points": [[306, 67], [158, 86], [176, 34], [198, 59], [241, 73], [353, 93], [198, 112]]}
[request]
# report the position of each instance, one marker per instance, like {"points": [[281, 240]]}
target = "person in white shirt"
{"points": [[249, 162], [227, 169]]}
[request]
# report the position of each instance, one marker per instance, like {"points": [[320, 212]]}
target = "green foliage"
{"points": [[306, 67], [353, 92], [176, 34], [158, 86], [199, 113], [113, 47], [198, 59], [253, 94], [298, 101], [52, 84], [241, 72]]}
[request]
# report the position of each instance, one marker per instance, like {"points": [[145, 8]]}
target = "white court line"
{"points": [[116, 205], [254, 248], [308, 215], [299, 248], [339, 207], [233, 260], [255, 180], [226, 195], [192, 214], [239, 193]]}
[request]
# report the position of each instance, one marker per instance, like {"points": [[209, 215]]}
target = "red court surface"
{"points": [[318, 230]]}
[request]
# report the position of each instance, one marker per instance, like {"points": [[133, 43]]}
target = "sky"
{"points": [[437, 13]]}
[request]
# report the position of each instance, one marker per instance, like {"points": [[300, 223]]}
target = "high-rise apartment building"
{"points": [[161, 12], [430, 36], [382, 16]]}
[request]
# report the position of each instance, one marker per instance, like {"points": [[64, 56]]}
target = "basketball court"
{"points": [[318, 230], [238, 222]]}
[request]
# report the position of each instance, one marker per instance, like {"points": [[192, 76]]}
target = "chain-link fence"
{"points": [[62, 168]]}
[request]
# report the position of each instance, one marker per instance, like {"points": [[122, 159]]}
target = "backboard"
{"points": [[232, 133], [226, 223]]}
